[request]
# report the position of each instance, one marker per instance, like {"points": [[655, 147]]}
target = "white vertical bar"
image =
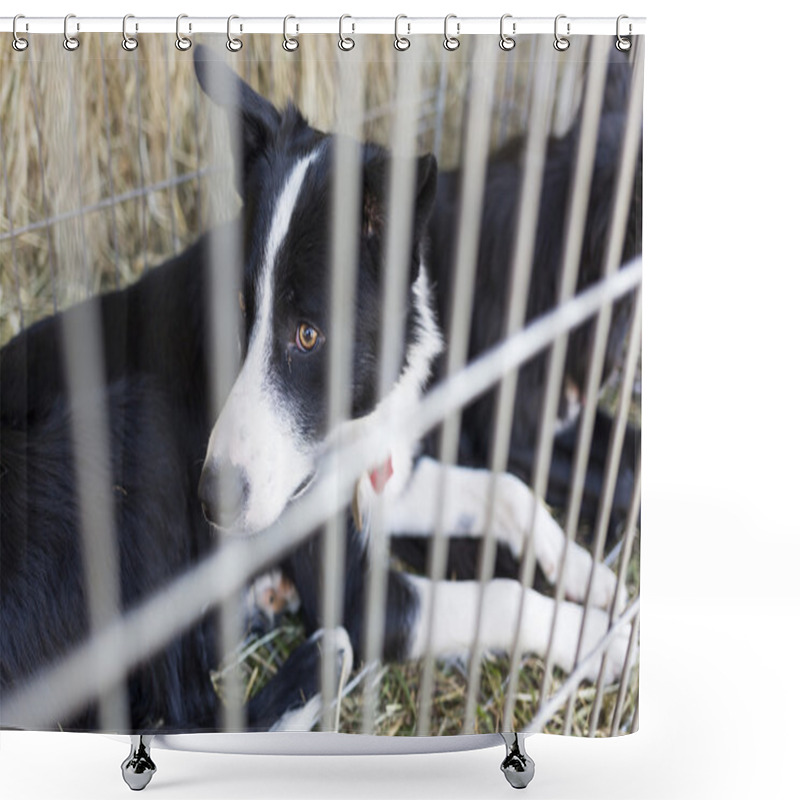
{"points": [[470, 208], [630, 527], [345, 234], [573, 240], [617, 440], [519, 285], [609, 482], [440, 98], [78, 183], [198, 165], [627, 542], [505, 105], [62, 688], [611, 470], [223, 280], [34, 95], [626, 676], [397, 257], [83, 361], [623, 189], [171, 199], [109, 153], [89, 427], [12, 240], [573, 680], [141, 145]]}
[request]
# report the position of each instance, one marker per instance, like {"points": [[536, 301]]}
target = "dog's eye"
{"points": [[307, 337], [241, 302]]}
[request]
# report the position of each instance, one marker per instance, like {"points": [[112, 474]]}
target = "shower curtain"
{"points": [[511, 176]]}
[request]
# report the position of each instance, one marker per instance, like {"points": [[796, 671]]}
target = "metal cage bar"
{"points": [[573, 238], [223, 278], [476, 149], [518, 290], [626, 546], [219, 579], [141, 145], [395, 289], [60, 689], [45, 203], [345, 220], [629, 153], [12, 234], [112, 201]]}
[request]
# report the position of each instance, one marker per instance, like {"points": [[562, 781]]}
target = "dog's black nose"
{"points": [[222, 491]]}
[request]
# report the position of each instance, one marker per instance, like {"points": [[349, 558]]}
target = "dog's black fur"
{"points": [[156, 355]]}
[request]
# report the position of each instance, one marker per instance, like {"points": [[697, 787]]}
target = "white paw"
{"points": [[565, 642], [577, 573], [513, 512], [515, 507], [273, 593]]}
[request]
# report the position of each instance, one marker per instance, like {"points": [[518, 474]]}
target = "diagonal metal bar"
{"points": [[61, 689], [548, 709]]}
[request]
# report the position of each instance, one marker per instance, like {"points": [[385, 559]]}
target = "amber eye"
{"points": [[241, 302], [307, 337]]}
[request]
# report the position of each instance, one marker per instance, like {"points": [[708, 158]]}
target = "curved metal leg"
{"points": [[138, 768], [517, 766]]}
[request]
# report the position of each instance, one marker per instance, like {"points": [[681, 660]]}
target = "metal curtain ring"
{"points": [[18, 43], [70, 42], [128, 42], [290, 43], [623, 44], [233, 44], [182, 42], [451, 42], [401, 42], [507, 42], [345, 42], [561, 43]]}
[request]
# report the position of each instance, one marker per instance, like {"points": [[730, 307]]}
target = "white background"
{"points": [[721, 607]]}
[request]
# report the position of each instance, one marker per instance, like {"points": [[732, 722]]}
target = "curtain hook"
{"points": [[507, 42], [182, 42], [18, 43], [561, 43], [401, 42], [623, 44], [290, 43], [346, 43], [451, 42], [129, 42], [233, 44], [70, 42]]}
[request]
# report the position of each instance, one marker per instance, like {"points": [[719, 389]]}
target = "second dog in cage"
{"points": [[182, 475]]}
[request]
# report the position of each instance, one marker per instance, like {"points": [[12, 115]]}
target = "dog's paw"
{"points": [[567, 632], [273, 593], [598, 590], [513, 512], [549, 540]]}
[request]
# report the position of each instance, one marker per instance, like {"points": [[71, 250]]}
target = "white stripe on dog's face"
{"points": [[255, 431]]}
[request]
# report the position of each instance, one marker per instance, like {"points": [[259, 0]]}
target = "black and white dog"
{"points": [[264, 444]]}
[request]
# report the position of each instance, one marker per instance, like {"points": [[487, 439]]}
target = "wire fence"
{"points": [[114, 162]]}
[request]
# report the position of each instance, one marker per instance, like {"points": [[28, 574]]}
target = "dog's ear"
{"points": [[253, 120], [376, 195]]}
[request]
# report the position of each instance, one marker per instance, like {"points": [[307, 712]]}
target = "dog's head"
{"points": [[264, 447]]}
